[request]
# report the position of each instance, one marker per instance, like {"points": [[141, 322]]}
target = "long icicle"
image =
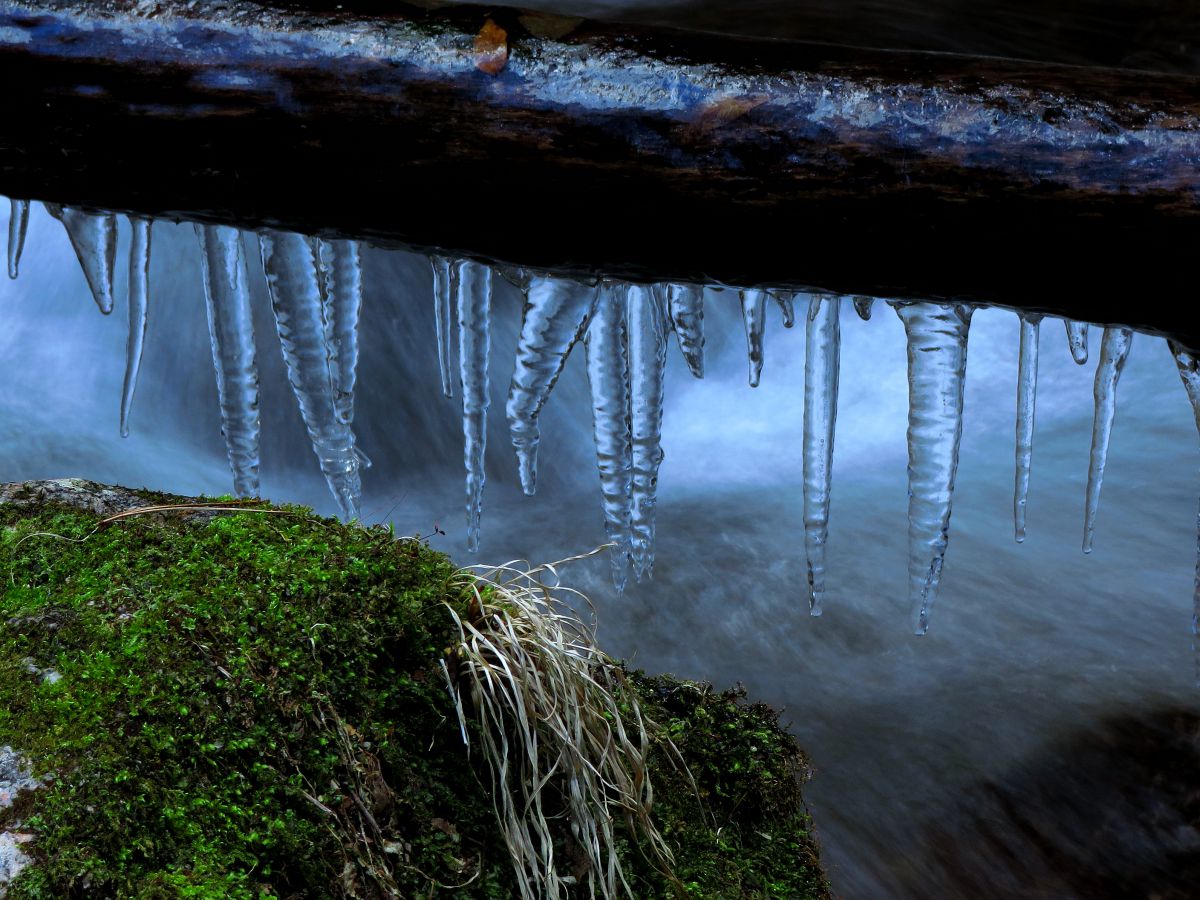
{"points": [[231, 329], [1114, 351], [290, 265], [647, 341], [139, 298], [822, 363], [937, 367], [1189, 372], [686, 305], [555, 317], [18, 224], [862, 306], [472, 285], [442, 318], [608, 375], [341, 272], [94, 237], [1077, 340], [1027, 373], [753, 317]]}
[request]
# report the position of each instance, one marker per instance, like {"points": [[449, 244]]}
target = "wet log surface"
{"points": [[646, 154]]}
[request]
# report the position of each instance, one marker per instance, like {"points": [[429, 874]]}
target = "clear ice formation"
{"points": [[555, 316], [472, 286], [18, 223], [290, 263], [94, 237], [340, 263], [1027, 372], [787, 306], [753, 316], [139, 294], [442, 318], [646, 313], [1077, 340], [1189, 372], [937, 367], [231, 329], [822, 363], [686, 305], [862, 306], [1114, 351], [608, 375]]}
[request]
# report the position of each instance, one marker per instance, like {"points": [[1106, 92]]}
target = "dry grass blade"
{"points": [[563, 737]]}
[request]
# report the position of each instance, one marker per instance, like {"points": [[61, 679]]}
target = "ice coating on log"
{"points": [[753, 316], [937, 367], [139, 297], [231, 329], [555, 316], [293, 280], [822, 363], [341, 277], [1114, 351], [608, 375], [1189, 372], [647, 343], [94, 237], [686, 305], [787, 306], [1077, 340], [442, 318], [18, 224], [1027, 372], [472, 287], [862, 306]]}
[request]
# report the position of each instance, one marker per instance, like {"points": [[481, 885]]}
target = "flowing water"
{"points": [[914, 740]]}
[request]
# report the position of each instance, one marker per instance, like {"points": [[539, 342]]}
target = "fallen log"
{"points": [[644, 154]]}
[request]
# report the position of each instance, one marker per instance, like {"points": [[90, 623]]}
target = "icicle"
{"points": [[442, 319], [290, 265], [94, 237], [472, 285], [1077, 335], [18, 222], [1114, 351], [231, 329], [787, 306], [608, 374], [555, 317], [341, 271], [862, 306], [686, 305], [1027, 372], [821, 367], [647, 336], [753, 303], [1189, 371], [139, 295], [937, 367]]}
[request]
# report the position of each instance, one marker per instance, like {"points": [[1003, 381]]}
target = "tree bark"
{"points": [[643, 154]]}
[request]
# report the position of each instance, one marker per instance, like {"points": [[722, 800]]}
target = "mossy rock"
{"points": [[251, 704]]}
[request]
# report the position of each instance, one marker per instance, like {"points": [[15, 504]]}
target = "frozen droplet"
{"points": [[18, 223], [1077, 340], [94, 238], [753, 317], [787, 306], [862, 306], [686, 305]]}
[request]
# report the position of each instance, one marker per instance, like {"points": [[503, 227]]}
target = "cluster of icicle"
{"points": [[316, 290]]}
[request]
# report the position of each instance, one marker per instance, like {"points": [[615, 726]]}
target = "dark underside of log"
{"points": [[635, 153]]}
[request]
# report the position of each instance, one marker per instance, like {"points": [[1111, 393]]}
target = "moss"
{"points": [[252, 706]]}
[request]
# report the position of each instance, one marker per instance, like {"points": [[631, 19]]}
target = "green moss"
{"points": [[252, 706]]}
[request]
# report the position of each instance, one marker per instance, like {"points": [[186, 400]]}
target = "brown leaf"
{"points": [[549, 26], [491, 48], [723, 111]]}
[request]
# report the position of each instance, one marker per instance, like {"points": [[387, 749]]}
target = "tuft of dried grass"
{"points": [[562, 734]]}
